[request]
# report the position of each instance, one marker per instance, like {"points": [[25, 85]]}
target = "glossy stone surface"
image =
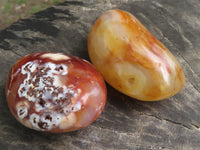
{"points": [[131, 59], [54, 92]]}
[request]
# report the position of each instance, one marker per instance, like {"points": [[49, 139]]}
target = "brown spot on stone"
{"points": [[59, 68], [34, 120], [60, 90], [72, 108], [48, 117], [41, 102], [22, 90], [31, 91], [42, 125], [61, 111], [21, 112]]}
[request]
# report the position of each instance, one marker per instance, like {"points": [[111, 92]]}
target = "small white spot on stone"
{"points": [[55, 56], [34, 119], [8, 92], [28, 67], [77, 107], [22, 104], [64, 73], [99, 107], [46, 121], [86, 61], [22, 112], [79, 91]]}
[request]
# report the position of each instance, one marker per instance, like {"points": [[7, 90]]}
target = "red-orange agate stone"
{"points": [[54, 92]]}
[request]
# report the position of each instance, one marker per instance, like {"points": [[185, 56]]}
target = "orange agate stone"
{"points": [[131, 59]]}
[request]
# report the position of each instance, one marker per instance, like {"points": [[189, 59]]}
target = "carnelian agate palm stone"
{"points": [[131, 59], [54, 92]]}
